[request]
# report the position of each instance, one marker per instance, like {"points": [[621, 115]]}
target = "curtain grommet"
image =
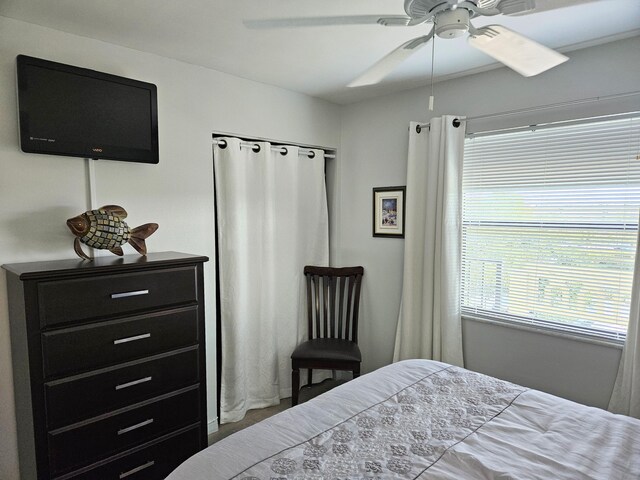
{"points": [[256, 148], [312, 155], [456, 122], [222, 144], [418, 129], [284, 151]]}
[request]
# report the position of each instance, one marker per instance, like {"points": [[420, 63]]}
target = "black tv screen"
{"points": [[77, 112]]}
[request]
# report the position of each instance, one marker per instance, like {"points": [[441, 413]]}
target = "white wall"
{"points": [[373, 153], [39, 192]]}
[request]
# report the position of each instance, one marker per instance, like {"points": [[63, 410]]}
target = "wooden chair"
{"points": [[333, 297]]}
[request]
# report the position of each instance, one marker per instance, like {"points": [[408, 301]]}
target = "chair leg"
{"points": [[295, 386], [356, 371], [310, 377]]}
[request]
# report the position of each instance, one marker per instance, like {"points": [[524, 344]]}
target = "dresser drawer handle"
{"points": [[136, 426], [134, 382], [131, 339], [129, 294], [137, 469]]}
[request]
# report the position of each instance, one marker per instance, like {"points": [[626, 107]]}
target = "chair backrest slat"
{"points": [[316, 286], [325, 302], [349, 297], [309, 309], [331, 321], [341, 333], [332, 308], [356, 304]]}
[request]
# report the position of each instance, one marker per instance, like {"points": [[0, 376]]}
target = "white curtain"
{"points": [[272, 221], [429, 323], [625, 398]]}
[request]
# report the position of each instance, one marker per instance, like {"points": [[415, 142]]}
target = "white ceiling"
{"points": [[318, 61]]}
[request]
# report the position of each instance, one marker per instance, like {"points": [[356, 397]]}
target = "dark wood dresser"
{"points": [[109, 365]]}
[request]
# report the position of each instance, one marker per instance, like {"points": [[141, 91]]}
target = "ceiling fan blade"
{"points": [[517, 52], [387, 21], [389, 62], [516, 7], [420, 20]]}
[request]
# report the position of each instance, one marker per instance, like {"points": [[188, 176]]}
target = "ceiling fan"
{"points": [[449, 19]]}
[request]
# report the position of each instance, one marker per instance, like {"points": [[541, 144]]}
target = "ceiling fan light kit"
{"points": [[452, 23], [449, 19]]}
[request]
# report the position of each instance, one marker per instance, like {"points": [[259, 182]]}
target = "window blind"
{"points": [[549, 226]]}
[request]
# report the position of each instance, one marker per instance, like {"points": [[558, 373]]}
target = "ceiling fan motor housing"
{"points": [[452, 23]]}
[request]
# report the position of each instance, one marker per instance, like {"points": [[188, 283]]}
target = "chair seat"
{"points": [[327, 349]]}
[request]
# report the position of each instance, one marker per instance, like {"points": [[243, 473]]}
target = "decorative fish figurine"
{"points": [[106, 229]]}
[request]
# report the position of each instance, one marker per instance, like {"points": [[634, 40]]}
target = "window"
{"points": [[549, 226]]}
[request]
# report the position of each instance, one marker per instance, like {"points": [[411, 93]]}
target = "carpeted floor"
{"points": [[255, 416]]}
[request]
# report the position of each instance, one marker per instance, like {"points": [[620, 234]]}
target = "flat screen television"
{"points": [[77, 112]]}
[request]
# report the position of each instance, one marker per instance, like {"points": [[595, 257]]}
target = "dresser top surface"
{"points": [[34, 270]]}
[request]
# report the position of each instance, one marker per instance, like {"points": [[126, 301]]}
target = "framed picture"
{"points": [[388, 212]]}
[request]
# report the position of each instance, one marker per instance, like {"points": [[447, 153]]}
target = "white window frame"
{"points": [[471, 310]]}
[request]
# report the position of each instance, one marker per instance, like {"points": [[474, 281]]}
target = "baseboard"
{"points": [[212, 426]]}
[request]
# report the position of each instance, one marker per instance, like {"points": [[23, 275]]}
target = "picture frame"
{"points": [[388, 211]]}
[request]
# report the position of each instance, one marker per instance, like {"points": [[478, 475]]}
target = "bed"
{"points": [[427, 420]]}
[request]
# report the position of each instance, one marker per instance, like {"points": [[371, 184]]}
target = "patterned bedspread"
{"points": [[421, 419]]}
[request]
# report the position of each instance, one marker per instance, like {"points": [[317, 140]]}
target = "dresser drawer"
{"points": [[86, 443], [79, 299], [152, 462], [86, 347], [83, 396]]}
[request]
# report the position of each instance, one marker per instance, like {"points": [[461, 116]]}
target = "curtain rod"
{"points": [[542, 107], [280, 149], [279, 143]]}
